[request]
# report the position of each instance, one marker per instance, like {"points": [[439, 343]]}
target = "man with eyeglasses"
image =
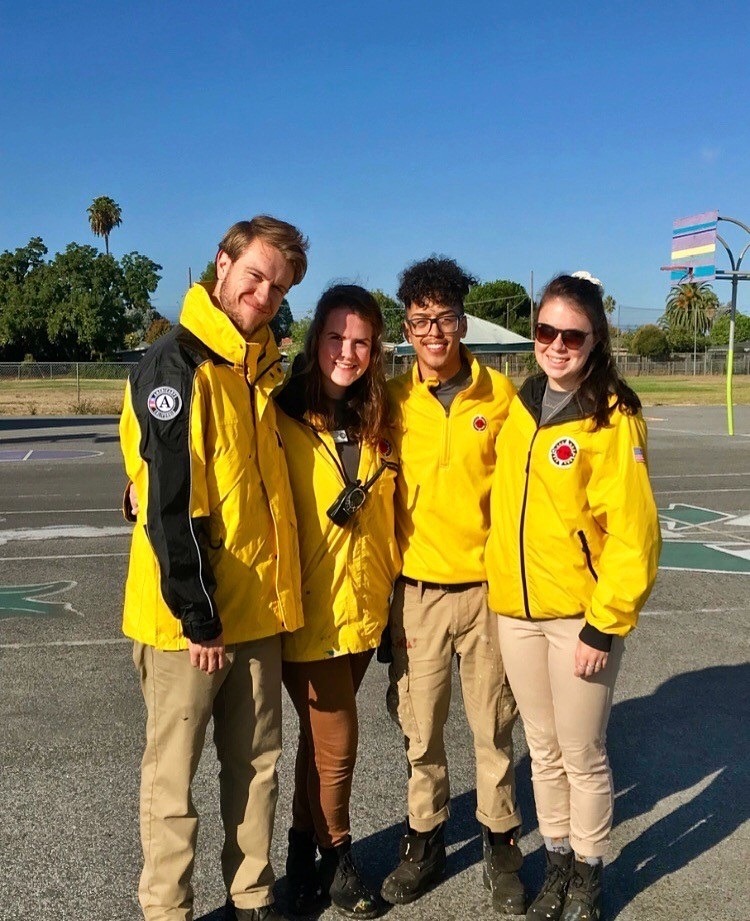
{"points": [[448, 409]]}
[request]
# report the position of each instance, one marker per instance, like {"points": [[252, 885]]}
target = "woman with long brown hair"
{"points": [[571, 559], [342, 469]]}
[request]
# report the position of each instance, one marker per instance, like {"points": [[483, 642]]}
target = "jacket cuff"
{"points": [[592, 636], [197, 629]]}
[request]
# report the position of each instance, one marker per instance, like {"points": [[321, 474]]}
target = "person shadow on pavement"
{"points": [[692, 732]]}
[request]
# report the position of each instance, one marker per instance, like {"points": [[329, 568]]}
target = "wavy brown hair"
{"points": [[366, 398], [283, 236], [601, 380]]}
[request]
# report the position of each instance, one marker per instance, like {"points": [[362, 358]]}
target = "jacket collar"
{"points": [[213, 327], [430, 383], [532, 393]]}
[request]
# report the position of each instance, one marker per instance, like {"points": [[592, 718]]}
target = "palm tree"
{"points": [[691, 306], [104, 215]]}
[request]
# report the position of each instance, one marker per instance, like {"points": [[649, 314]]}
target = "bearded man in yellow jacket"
{"points": [[448, 409], [214, 572]]}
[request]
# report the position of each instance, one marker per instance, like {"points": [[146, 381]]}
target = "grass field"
{"points": [[63, 397]]}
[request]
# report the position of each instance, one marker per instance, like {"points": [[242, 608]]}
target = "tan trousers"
{"points": [[428, 627], [565, 719], [245, 702], [324, 694]]}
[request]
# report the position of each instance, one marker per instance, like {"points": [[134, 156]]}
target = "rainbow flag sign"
{"points": [[694, 245]]}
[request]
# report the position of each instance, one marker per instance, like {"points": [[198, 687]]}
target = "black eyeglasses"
{"points": [[446, 323], [572, 338]]}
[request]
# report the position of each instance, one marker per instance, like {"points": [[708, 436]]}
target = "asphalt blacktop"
{"points": [[72, 715]]}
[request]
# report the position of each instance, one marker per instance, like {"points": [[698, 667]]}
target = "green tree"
{"points": [[650, 341], [281, 325], [85, 292], [609, 304], [719, 334], [140, 280], [157, 329], [104, 215], [690, 306], [209, 273], [22, 303], [393, 316], [504, 302], [298, 334], [683, 340]]}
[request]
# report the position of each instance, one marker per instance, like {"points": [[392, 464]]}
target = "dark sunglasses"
{"points": [[572, 338]]}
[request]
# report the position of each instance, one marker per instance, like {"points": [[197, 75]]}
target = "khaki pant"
{"points": [[565, 719], [324, 694], [428, 627], [244, 699]]}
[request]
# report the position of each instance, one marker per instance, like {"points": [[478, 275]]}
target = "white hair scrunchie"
{"points": [[587, 276]]}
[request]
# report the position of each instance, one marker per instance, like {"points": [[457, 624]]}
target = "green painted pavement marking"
{"points": [[23, 600], [679, 517], [697, 557]]}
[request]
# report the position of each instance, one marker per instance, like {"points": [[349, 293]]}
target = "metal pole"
{"points": [[531, 308], [695, 341], [730, 357], [732, 315]]}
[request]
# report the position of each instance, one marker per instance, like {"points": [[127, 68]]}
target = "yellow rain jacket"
{"points": [[447, 462], [575, 529], [214, 547], [347, 571]]}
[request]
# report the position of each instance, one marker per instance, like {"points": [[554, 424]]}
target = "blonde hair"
{"points": [[286, 238]]}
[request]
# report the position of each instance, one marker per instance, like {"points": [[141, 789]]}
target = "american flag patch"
{"points": [[638, 456]]}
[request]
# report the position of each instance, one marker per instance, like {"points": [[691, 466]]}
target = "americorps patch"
{"points": [[164, 403]]}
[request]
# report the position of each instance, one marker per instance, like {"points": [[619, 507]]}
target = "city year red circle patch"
{"points": [[384, 448], [563, 452], [479, 423]]}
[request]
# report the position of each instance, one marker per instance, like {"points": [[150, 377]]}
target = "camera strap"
{"points": [[385, 465]]}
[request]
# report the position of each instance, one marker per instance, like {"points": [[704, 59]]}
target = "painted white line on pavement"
{"points": [[66, 556], [658, 428], [65, 511], [681, 611], [57, 532], [56, 643], [697, 492], [680, 476]]}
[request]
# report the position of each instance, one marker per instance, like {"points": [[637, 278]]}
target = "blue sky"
{"points": [[514, 137]]}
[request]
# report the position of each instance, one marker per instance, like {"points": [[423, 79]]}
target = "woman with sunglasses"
{"points": [[571, 559], [342, 470]]}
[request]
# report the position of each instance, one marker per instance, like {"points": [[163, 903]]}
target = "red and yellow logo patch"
{"points": [[479, 423], [384, 448], [563, 452]]}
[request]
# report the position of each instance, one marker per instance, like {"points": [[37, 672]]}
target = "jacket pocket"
{"points": [[587, 554]]}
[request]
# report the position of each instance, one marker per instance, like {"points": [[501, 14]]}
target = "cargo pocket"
{"points": [[398, 698]]}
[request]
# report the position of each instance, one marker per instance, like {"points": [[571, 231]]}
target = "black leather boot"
{"points": [[502, 861], [303, 891], [340, 878], [422, 865], [583, 901], [548, 905]]}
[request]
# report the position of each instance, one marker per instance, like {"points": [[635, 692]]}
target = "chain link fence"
{"points": [[65, 370]]}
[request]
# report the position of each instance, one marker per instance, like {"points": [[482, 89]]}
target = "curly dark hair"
{"points": [[437, 279], [366, 398], [601, 379]]}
